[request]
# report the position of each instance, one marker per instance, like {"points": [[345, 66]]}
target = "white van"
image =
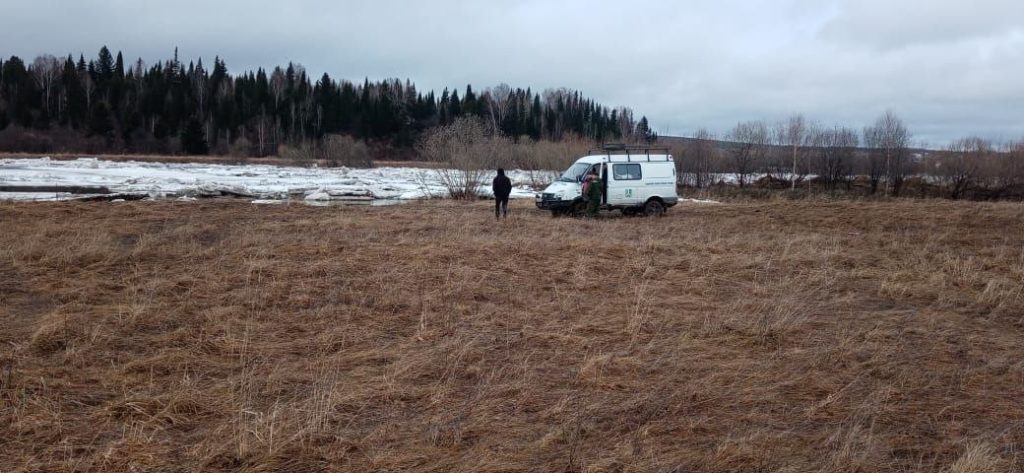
{"points": [[637, 179]]}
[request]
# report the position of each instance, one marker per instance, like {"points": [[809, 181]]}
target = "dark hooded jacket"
{"points": [[502, 185]]}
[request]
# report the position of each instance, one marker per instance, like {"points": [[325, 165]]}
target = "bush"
{"points": [[22, 140], [341, 150], [299, 152], [468, 150], [335, 150], [241, 148]]}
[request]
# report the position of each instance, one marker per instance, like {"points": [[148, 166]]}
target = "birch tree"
{"points": [[46, 70], [794, 138], [888, 140]]}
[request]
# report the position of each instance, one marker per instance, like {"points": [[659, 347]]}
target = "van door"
{"points": [[626, 184], [603, 172], [660, 180]]}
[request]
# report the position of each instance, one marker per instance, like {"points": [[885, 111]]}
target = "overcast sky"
{"points": [[949, 68]]}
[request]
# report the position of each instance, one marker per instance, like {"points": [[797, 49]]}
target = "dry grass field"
{"points": [[772, 336]]}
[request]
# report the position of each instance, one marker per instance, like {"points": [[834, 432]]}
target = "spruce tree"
{"points": [[18, 91], [119, 66], [193, 140], [105, 65], [469, 102], [100, 123], [643, 131], [455, 105]]}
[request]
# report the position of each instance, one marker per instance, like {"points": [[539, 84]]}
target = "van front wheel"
{"points": [[654, 208], [579, 209]]}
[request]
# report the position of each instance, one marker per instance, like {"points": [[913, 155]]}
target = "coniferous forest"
{"points": [[107, 105]]}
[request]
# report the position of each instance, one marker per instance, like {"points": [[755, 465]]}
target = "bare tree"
{"points": [[264, 127], [763, 145], [875, 157], [888, 140], [554, 97], [697, 158], [90, 87], [1000, 172], [468, 150], [46, 70], [794, 138], [960, 166], [199, 90], [626, 123], [499, 104], [846, 144], [778, 163], [1010, 175], [750, 141], [278, 83], [835, 149]]}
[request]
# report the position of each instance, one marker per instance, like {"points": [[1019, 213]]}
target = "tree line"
{"points": [[107, 105], [875, 160]]}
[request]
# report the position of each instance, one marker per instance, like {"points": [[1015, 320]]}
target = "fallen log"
{"points": [[110, 197], [58, 189]]}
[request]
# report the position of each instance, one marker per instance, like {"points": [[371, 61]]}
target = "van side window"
{"points": [[626, 172]]}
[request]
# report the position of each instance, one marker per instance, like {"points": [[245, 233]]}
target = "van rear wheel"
{"points": [[654, 208]]}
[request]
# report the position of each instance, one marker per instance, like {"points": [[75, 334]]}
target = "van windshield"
{"points": [[574, 172]]}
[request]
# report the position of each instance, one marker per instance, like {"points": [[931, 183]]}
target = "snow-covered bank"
{"points": [[266, 182], [699, 201]]}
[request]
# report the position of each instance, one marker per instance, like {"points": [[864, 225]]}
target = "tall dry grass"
{"points": [[780, 336]]}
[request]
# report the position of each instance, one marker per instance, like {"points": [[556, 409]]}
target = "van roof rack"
{"points": [[629, 150]]}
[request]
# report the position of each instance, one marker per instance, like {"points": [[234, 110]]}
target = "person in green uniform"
{"points": [[594, 188]]}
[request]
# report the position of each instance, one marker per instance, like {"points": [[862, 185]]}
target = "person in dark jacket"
{"points": [[502, 187]]}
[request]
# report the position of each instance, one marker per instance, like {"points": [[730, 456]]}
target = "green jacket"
{"points": [[595, 189]]}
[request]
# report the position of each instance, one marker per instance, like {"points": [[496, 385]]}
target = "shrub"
{"points": [[342, 150], [467, 149]]}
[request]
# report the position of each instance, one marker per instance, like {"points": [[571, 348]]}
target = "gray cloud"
{"points": [[889, 25], [947, 67]]}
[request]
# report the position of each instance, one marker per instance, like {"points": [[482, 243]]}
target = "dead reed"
{"points": [[778, 336]]}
